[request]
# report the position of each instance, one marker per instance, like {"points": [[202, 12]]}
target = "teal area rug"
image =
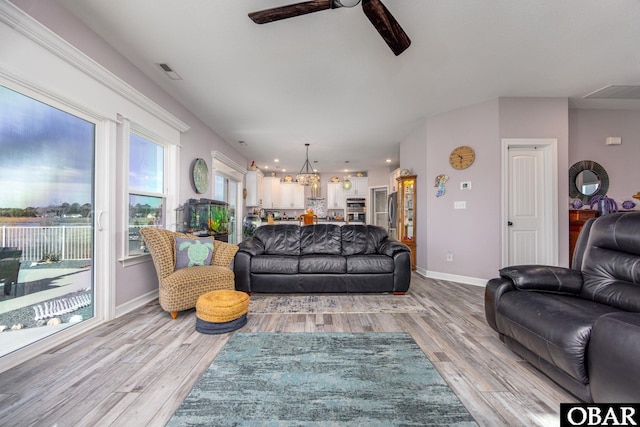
{"points": [[321, 379]]}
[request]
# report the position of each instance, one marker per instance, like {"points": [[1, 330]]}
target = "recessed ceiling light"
{"points": [[284, 170], [276, 160], [266, 167], [388, 160]]}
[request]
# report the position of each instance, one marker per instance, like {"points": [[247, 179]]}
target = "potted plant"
{"points": [[604, 204]]}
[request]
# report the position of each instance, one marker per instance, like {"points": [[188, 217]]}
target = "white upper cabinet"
{"points": [[270, 192], [393, 180], [291, 196], [253, 180], [335, 195], [359, 187]]}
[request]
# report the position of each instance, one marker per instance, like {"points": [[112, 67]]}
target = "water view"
{"points": [[46, 220]]}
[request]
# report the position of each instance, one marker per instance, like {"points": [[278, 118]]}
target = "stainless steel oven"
{"points": [[356, 209]]}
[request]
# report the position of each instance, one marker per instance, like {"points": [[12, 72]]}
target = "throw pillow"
{"points": [[190, 252]]}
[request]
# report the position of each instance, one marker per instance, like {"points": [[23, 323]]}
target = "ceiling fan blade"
{"points": [[387, 26], [289, 11]]}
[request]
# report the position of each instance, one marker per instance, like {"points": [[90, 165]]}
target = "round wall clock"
{"points": [[462, 157], [200, 175]]}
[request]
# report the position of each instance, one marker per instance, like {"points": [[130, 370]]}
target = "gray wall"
{"points": [[137, 280], [588, 130]]}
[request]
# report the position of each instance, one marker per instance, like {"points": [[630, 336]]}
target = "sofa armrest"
{"points": [[613, 363], [252, 246], [492, 293], [242, 271], [545, 278], [390, 247]]}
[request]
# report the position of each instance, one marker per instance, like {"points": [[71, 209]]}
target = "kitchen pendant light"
{"points": [[307, 176], [346, 182]]}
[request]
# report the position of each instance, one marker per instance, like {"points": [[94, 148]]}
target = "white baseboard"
{"points": [[453, 277], [136, 303]]}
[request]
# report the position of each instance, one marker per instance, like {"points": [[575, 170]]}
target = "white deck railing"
{"points": [[38, 243]]}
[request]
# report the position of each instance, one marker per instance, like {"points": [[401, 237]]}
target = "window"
{"points": [[147, 190]]}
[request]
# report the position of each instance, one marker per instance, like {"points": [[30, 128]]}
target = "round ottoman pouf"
{"points": [[218, 312]]}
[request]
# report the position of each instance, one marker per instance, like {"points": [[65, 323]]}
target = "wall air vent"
{"points": [[615, 92], [169, 72]]}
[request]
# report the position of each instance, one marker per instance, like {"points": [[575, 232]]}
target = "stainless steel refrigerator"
{"points": [[392, 209]]}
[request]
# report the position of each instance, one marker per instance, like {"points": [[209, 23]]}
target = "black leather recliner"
{"points": [[579, 326], [322, 258]]}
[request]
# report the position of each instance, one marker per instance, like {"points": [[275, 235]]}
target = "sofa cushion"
{"points": [[274, 264], [328, 264], [555, 327], [361, 239], [321, 239], [363, 264], [280, 239]]}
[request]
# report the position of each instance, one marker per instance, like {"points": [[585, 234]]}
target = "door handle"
{"points": [[509, 223]]}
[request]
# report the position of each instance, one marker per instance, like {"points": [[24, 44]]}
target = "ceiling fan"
{"points": [[377, 13]]}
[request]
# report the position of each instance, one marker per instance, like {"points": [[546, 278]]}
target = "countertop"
{"points": [[320, 221]]}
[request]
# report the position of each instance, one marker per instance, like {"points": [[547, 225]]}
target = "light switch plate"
{"points": [[466, 185], [460, 205]]}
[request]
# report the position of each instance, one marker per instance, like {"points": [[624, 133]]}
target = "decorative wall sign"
{"points": [[440, 181]]}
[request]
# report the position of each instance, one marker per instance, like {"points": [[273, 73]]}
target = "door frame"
{"points": [[549, 147], [370, 211]]}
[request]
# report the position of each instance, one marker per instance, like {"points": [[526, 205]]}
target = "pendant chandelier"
{"points": [[307, 176]]}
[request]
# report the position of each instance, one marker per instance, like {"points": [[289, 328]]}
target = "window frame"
{"points": [[170, 184]]}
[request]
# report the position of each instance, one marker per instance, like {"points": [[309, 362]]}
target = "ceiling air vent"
{"points": [[616, 92], [169, 72]]}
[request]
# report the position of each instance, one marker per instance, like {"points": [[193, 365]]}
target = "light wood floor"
{"points": [[136, 370]]}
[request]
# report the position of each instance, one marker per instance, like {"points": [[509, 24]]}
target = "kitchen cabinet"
{"points": [[407, 214], [253, 182], [270, 192], [359, 186], [335, 195], [291, 196], [393, 180]]}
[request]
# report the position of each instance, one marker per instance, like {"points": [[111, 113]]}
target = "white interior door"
{"points": [[530, 206]]}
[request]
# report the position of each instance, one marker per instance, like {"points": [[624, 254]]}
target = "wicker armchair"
{"points": [[180, 289]]}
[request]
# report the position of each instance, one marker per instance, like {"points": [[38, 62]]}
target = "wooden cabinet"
{"points": [[577, 218], [291, 196], [270, 192], [335, 195], [253, 180], [407, 214]]}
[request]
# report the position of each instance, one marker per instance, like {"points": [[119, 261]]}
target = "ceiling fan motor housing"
{"points": [[346, 3]]}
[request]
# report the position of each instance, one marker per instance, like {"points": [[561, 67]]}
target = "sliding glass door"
{"points": [[46, 220]]}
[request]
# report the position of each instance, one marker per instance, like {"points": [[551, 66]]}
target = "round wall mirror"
{"points": [[587, 179]]}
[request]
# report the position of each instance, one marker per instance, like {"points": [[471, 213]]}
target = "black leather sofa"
{"points": [[579, 326], [285, 258]]}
